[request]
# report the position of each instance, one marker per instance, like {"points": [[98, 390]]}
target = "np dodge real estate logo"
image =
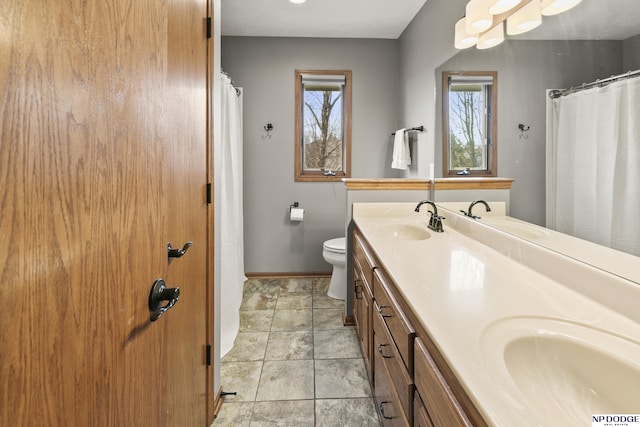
{"points": [[615, 420]]}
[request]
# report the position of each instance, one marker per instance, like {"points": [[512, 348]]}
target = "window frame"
{"points": [[492, 120], [302, 175]]}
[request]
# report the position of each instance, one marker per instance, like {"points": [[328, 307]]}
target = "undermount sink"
{"points": [[402, 231], [565, 371], [519, 229]]}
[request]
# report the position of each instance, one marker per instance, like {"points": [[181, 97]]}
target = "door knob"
{"points": [[159, 294], [177, 252]]}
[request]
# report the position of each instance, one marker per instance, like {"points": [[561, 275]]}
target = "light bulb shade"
{"points": [[478, 18], [525, 19], [554, 7], [464, 39], [491, 38], [497, 7]]}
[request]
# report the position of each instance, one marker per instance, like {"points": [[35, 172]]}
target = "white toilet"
{"points": [[333, 251]]}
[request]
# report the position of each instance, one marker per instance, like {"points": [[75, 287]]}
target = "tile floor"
{"points": [[293, 362]]}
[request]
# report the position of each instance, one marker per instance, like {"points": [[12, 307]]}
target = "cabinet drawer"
{"points": [[360, 281], [362, 309], [420, 416], [401, 330], [364, 257], [387, 401], [388, 352], [442, 406]]}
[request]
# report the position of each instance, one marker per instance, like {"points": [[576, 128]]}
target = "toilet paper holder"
{"points": [[294, 205]]}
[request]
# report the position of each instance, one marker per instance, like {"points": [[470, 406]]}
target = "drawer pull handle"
{"points": [[380, 351], [358, 288], [381, 407], [381, 313]]}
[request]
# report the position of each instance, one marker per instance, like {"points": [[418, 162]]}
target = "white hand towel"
{"points": [[401, 155]]}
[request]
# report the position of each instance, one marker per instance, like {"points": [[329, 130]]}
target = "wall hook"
{"points": [[268, 128], [524, 128]]}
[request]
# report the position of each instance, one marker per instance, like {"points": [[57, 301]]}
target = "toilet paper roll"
{"points": [[297, 214]]}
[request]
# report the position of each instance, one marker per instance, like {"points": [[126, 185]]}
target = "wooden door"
{"points": [[102, 163]]}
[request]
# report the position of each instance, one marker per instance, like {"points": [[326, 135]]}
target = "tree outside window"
{"points": [[323, 110], [469, 123]]}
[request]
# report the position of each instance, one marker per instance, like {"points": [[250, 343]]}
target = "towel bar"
{"points": [[417, 129]]}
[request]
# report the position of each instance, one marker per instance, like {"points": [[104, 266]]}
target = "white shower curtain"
{"points": [[231, 215], [593, 164]]}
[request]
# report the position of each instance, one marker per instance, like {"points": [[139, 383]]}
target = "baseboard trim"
{"points": [[288, 275], [348, 320]]}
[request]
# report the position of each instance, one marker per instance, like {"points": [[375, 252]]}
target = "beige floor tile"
{"points": [[259, 301], [322, 300], [321, 285], [339, 378], [308, 354], [241, 378], [298, 413], [262, 285], [248, 346], [293, 345], [292, 320], [342, 412], [294, 301], [328, 318], [336, 344], [234, 415], [256, 320], [286, 380], [297, 285]]}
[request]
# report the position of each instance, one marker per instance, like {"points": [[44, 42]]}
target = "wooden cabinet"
{"points": [[397, 390], [440, 403], [394, 318], [388, 401], [413, 384], [363, 267], [420, 416]]}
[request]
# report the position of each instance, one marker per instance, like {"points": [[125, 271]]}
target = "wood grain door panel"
{"points": [[98, 100]]}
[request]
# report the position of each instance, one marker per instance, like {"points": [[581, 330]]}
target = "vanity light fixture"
{"points": [[297, 1], [497, 7], [478, 18], [491, 38], [554, 7], [525, 19], [484, 19], [464, 39]]}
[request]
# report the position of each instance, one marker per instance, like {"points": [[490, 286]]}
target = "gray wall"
{"points": [[425, 44], [631, 52], [265, 67], [525, 70]]}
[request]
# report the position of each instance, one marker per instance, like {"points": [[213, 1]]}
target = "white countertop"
{"points": [[464, 291]]}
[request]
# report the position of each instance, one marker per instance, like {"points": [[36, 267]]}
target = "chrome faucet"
{"points": [[475, 202], [435, 221]]}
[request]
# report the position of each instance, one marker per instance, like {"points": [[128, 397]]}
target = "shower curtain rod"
{"points": [[558, 93], [232, 82]]}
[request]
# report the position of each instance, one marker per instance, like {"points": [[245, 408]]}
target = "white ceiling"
{"points": [[387, 19], [384, 19]]}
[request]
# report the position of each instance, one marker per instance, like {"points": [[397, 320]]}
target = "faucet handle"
{"points": [[435, 223]]}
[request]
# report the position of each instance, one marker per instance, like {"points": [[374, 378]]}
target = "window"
{"points": [[469, 123], [323, 125]]}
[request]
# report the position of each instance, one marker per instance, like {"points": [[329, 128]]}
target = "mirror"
{"points": [[469, 123], [579, 46]]}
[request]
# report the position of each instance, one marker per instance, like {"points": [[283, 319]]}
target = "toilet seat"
{"points": [[335, 245]]}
